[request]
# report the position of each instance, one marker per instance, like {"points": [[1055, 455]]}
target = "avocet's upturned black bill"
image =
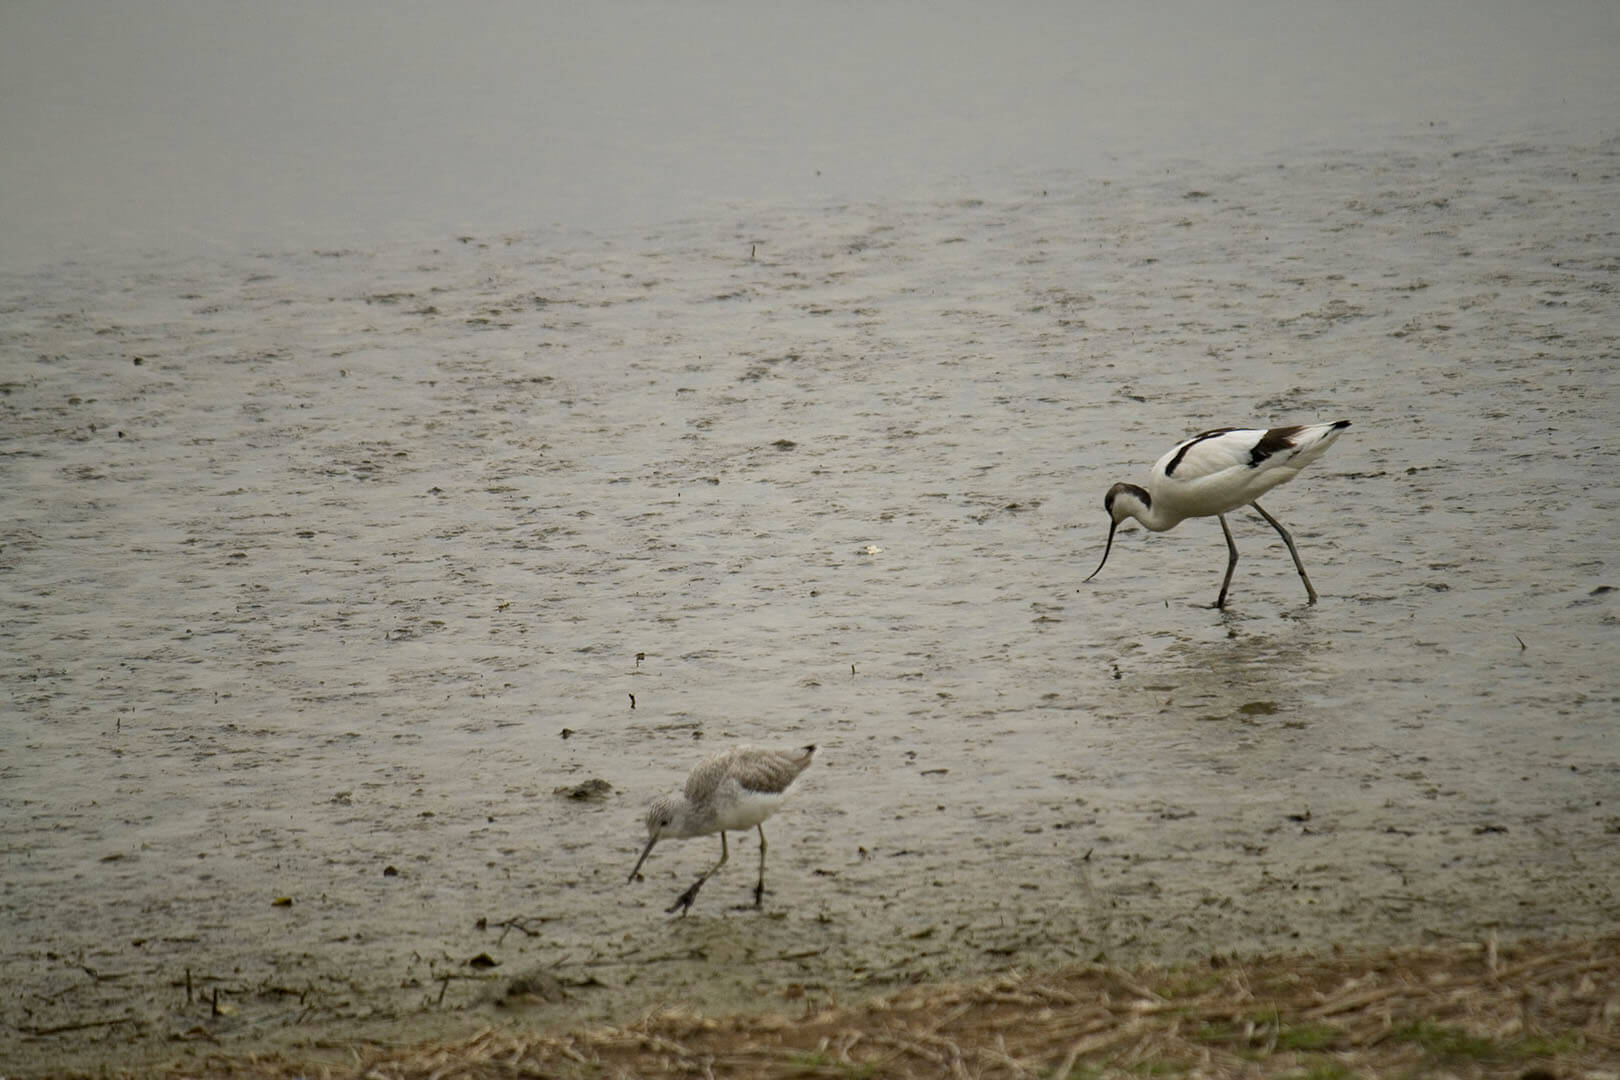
{"points": [[1217, 472]]}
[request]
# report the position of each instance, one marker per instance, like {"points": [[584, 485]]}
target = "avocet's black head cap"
{"points": [[1117, 512]]}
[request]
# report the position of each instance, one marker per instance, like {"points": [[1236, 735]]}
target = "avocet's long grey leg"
{"points": [[1289, 540], [1231, 562]]}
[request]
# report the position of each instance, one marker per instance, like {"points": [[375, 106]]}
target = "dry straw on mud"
{"points": [[1527, 1010]]}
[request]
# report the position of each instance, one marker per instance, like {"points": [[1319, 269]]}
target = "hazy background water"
{"points": [[177, 126]]}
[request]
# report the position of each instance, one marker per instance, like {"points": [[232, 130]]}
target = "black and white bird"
{"points": [[1215, 473], [733, 789]]}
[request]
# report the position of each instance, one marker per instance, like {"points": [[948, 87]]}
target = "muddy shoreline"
{"points": [[313, 558]]}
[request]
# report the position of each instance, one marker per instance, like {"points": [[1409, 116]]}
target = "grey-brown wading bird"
{"points": [[733, 789], [1215, 473]]}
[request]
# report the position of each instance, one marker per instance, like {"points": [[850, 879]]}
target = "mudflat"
{"points": [[330, 576]]}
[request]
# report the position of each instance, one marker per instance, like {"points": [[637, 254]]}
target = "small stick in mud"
{"points": [[521, 923], [82, 1025]]}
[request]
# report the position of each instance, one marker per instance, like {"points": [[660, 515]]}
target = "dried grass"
{"points": [[1529, 1010]]}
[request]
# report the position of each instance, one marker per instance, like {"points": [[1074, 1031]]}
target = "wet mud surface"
{"points": [[330, 575]]}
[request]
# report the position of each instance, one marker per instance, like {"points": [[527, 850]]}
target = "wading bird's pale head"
{"points": [[661, 814]]}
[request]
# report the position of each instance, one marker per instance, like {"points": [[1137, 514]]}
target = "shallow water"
{"points": [[165, 126], [320, 563]]}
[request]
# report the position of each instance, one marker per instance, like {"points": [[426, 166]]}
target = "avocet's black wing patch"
{"points": [[1274, 441], [1181, 452]]}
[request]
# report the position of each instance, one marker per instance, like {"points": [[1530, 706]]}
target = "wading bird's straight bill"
{"points": [[1212, 474]]}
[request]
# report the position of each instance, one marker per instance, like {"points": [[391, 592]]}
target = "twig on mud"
{"points": [[669, 958], [1539, 961], [804, 955], [1352, 1002], [82, 1025], [662, 1044], [521, 923], [951, 1050], [1092, 1043], [999, 1055], [444, 981], [573, 1055], [1134, 987], [904, 1046], [948, 1019], [100, 977]]}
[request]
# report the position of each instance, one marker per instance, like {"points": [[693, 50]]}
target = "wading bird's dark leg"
{"points": [[683, 902], [1289, 540], [759, 890], [1231, 562]]}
